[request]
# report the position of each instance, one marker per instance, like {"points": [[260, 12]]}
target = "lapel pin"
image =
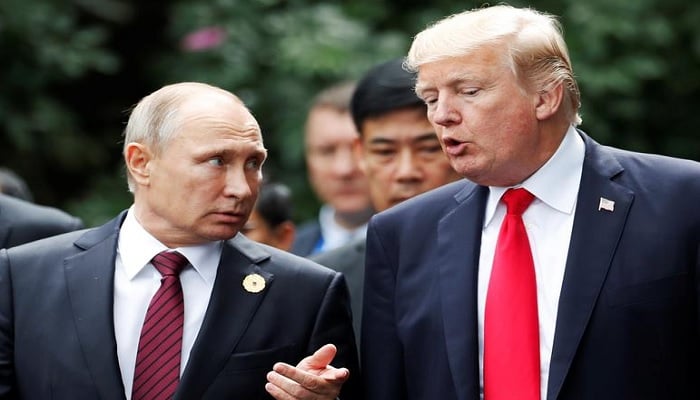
{"points": [[254, 283], [606, 204]]}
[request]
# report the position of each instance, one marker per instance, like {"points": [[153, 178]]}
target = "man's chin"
{"points": [[221, 233]]}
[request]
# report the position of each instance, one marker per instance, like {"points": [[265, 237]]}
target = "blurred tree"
{"points": [[45, 47], [72, 68], [638, 65]]}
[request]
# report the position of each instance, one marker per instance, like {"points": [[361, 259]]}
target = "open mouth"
{"points": [[454, 147]]}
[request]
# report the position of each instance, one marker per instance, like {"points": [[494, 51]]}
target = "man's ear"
{"points": [[549, 101], [138, 159]]}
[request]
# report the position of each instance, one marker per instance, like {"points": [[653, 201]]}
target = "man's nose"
{"points": [[444, 113]]}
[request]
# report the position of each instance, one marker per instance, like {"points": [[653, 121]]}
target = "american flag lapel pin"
{"points": [[606, 204]]}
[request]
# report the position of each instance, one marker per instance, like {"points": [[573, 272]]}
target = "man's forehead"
{"points": [[226, 122]]}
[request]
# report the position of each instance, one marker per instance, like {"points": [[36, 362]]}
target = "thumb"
{"points": [[320, 359]]}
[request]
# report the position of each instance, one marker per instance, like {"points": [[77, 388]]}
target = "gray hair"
{"points": [[534, 47]]}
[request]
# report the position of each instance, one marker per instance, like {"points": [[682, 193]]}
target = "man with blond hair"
{"points": [[560, 269]]}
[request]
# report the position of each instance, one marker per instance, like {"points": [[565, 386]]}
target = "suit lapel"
{"points": [[90, 283], [230, 309], [458, 266], [595, 235]]}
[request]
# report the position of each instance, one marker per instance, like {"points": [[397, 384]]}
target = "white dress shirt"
{"points": [[136, 280], [333, 234], [548, 221]]}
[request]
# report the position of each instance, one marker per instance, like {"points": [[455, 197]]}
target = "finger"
{"points": [[308, 378], [320, 359], [290, 377], [299, 383], [282, 388], [277, 392], [339, 375]]}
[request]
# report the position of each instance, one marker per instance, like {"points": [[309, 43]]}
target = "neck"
{"points": [[352, 220]]}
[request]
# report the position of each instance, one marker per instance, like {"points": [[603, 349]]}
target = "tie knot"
{"points": [[517, 200], [169, 263]]}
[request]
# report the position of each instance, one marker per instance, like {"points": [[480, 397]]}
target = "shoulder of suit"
{"points": [[53, 248], [278, 261], [429, 204], [351, 249], [25, 213], [663, 170]]}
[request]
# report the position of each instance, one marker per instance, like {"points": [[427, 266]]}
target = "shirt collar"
{"points": [[332, 232], [137, 247], [556, 183]]}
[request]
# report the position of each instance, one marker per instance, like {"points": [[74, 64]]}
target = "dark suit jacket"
{"points": [[57, 335], [628, 319], [307, 236], [350, 260], [22, 221]]}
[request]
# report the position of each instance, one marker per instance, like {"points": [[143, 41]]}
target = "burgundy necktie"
{"points": [[511, 329], [157, 370]]}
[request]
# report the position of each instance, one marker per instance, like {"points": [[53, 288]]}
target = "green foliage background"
{"points": [[71, 70]]}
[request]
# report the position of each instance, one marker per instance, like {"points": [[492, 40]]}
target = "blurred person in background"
{"points": [[89, 314], [271, 220], [398, 152], [333, 174], [22, 221]]}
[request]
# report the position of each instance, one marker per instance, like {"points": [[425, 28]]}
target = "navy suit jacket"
{"points": [[57, 328], [349, 259], [22, 221], [628, 319], [306, 238]]}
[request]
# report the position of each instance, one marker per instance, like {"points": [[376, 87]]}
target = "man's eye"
{"points": [[253, 164], [325, 151], [383, 152], [216, 161]]}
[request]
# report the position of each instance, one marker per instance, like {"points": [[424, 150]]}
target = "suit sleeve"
{"points": [[76, 224], [6, 330], [334, 325], [382, 356]]}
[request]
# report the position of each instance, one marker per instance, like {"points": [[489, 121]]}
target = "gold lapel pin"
{"points": [[254, 283]]}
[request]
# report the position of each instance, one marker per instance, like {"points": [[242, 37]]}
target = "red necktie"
{"points": [[157, 370], [511, 330]]}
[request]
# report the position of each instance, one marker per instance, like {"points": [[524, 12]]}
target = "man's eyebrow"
{"points": [[420, 88], [424, 137], [450, 80], [381, 140]]}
